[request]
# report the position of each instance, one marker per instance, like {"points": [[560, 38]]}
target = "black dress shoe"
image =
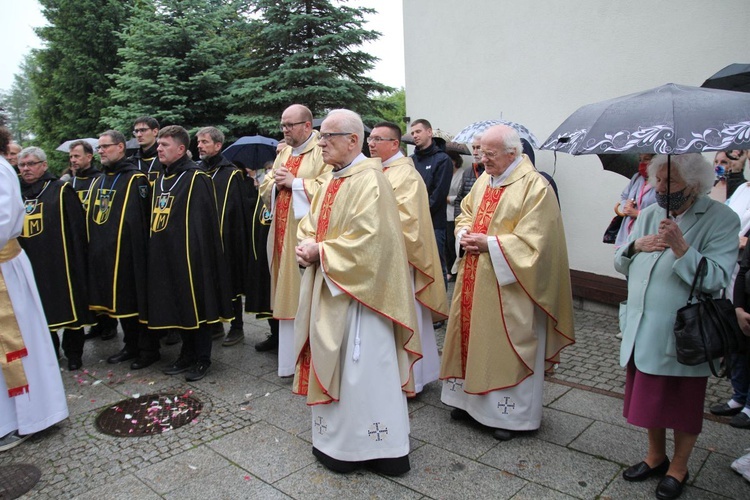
{"points": [[180, 366], [109, 333], [144, 361], [74, 364], [198, 371], [724, 410], [271, 343], [503, 434], [741, 421], [459, 414], [121, 356], [641, 471], [670, 488], [172, 337]]}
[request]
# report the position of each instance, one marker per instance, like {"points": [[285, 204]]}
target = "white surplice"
{"points": [[427, 368]]}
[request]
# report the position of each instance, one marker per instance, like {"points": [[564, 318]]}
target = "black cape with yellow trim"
{"points": [[118, 224], [258, 278], [82, 181], [148, 162], [54, 238], [188, 276], [234, 223]]}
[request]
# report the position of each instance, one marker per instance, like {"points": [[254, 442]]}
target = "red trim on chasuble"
{"points": [[283, 202], [12, 356], [481, 225], [324, 219]]}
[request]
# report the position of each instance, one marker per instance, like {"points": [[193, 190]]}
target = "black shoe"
{"points": [[180, 366], [198, 371], [235, 336], [172, 337], [670, 488], [642, 471], [94, 331], [109, 333], [459, 414], [724, 410], [503, 434], [741, 421], [144, 361], [74, 363], [217, 331], [271, 343], [121, 356]]}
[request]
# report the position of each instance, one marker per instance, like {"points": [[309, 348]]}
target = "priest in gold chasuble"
{"points": [[288, 189], [511, 313], [355, 331], [421, 248]]}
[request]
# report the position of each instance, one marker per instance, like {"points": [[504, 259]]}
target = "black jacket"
{"points": [[470, 177], [436, 169]]}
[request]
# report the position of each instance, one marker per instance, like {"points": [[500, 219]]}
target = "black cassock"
{"points": [[188, 277], [231, 199], [118, 227], [82, 181], [258, 278], [54, 238]]}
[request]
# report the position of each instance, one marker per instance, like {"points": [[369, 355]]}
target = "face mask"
{"points": [[643, 169], [676, 199]]}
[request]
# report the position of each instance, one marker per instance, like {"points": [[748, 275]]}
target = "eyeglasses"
{"points": [[102, 147], [29, 164], [327, 136], [375, 138], [142, 130], [488, 154], [289, 126]]}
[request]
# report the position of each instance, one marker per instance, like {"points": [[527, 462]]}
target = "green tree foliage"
{"points": [[71, 83], [19, 100], [392, 107], [178, 58], [303, 51]]}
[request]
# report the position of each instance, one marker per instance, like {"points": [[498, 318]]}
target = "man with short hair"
{"points": [[54, 238], [231, 199], [117, 222], [189, 286], [287, 190], [145, 131], [355, 329], [430, 299], [512, 310], [82, 168], [12, 155], [436, 169]]}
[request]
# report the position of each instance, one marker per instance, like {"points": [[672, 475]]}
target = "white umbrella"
{"points": [[466, 136], [65, 146]]}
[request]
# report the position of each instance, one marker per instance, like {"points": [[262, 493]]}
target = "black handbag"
{"points": [[610, 235], [707, 329]]}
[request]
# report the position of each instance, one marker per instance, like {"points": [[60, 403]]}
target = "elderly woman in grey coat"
{"points": [[660, 260]]}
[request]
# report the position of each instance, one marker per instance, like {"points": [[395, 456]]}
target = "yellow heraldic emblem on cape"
{"points": [[32, 222], [103, 205], [162, 209]]}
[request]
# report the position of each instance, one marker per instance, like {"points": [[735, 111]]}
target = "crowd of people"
{"points": [[346, 256]]}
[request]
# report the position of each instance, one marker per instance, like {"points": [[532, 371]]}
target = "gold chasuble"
{"points": [[285, 275], [489, 339], [419, 236], [355, 221]]}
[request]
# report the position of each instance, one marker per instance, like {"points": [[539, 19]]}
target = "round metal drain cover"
{"points": [[150, 414], [17, 479]]}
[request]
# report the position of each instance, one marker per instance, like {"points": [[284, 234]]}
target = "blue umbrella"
{"points": [[253, 151]]}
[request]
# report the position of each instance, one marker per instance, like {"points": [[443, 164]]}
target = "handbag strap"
{"points": [[700, 272]]}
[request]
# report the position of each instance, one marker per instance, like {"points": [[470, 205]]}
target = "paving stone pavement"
{"points": [[253, 438]]}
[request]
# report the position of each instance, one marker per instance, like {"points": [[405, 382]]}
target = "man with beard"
{"points": [[145, 130], [189, 286], [54, 238], [231, 199], [287, 190], [117, 223]]}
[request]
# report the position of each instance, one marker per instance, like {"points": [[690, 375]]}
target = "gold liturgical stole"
{"points": [[12, 348]]}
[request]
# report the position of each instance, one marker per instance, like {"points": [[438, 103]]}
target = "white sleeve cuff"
{"points": [[460, 235], [335, 290], [300, 203], [501, 267]]}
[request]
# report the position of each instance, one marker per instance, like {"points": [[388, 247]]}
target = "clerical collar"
{"points": [[299, 149], [496, 180], [342, 170], [393, 158]]}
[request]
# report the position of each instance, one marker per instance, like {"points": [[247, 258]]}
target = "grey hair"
{"points": [[350, 122], [509, 137], [32, 151], [694, 169]]}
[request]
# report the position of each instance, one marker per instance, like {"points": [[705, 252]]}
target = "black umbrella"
{"points": [[671, 119], [734, 77], [252, 151], [625, 164]]}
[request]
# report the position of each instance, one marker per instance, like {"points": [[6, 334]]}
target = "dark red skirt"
{"points": [[664, 402]]}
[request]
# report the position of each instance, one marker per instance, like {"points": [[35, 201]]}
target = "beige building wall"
{"points": [[537, 61]]}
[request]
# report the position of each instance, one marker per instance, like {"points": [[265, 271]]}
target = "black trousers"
{"points": [[237, 323], [72, 343], [138, 338], [196, 344]]}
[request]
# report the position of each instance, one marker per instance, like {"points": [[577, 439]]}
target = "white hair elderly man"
{"points": [[512, 307], [355, 328]]}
